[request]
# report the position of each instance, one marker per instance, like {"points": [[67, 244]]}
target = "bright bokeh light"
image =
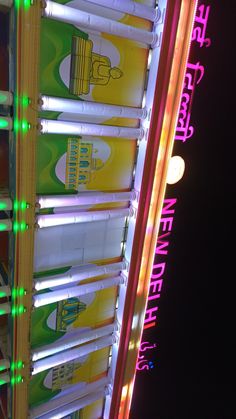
{"points": [[17, 310], [175, 170], [16, 380], [18, 292], [19, 205], [3, 123], [3, 98], [2, 382], [21, 125], [3, 206], [19, 226], [16, 365], [3, 227]]}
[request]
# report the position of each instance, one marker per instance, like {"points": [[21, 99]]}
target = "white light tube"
{"points": [[5, 204], [81, 128], [57, 104], [72, 339], [52, 220], [6, 98], [71, 394], [70, 292], [88, 20], [71, 354], [4, 379], [6, 3], [66, 410], [6, 123], [5, 309], [4, 364], [5, 291], [76, 274], [129, 7], [84, 198], [5, 225]]}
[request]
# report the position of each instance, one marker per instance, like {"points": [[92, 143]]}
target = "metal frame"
{"points": [[27, 40]]}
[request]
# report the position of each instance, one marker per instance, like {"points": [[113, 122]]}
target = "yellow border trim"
{"points": [[182, 44], [28, 44]]}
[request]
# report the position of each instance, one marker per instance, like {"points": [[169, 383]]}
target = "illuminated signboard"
{"points": [[157, 277], [158, 268], [200, 24], [193, 76], [184, 130]]}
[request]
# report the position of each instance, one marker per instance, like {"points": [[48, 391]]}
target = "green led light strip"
{"points": [[16, 380], [17, 365], [22, 125], [23, 3], [27, 4], [19, 205], [18, 292], [17, 226], [17, 310], [23, 101], [22, 226]]}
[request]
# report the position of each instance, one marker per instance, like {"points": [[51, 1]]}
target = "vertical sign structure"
{"points": [[173, 60], [184, 130], [4, 181], [25, 46]]}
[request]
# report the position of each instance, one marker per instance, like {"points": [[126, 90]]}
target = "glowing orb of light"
{"points": [[175, 170]]}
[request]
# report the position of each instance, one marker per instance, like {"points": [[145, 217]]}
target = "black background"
{"points": [[193, 376]]}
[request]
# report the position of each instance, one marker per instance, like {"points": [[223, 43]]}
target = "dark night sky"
{"points": [[194, 361]]}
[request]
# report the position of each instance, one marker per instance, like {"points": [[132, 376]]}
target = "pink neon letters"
{"points": [[155, 286], [199, 30], [193, 76], [158, 270], [143, 363]]}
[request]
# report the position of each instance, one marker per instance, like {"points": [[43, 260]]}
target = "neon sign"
{"points": [[143, 363], [184, 130], [158, 270], [193, 76], [199, 30]]}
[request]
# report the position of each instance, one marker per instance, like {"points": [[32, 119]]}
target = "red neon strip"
{"points": [[160, 98], [149, 325]]}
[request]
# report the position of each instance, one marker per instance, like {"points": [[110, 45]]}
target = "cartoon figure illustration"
{"points": [[101, 70], [89, 68]]}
